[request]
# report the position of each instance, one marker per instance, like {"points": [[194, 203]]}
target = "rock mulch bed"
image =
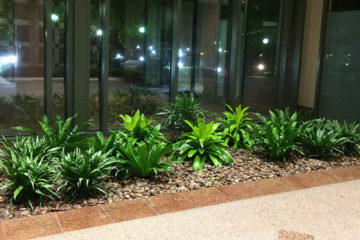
{"points": [[247, 167]]}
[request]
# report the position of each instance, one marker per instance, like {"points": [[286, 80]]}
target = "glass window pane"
{"points": [[140, 54], [21, 64], [204, 49], [95, 45], [261, 54], [58, 51], [339, 83]]}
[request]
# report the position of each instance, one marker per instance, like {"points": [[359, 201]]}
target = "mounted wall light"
{"points": [[265, 41]]}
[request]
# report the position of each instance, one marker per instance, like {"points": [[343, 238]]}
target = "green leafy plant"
{"points": [[319, 140], [350, 132], [203, 144], [83, 171], [143, 159], [183, 108], [63, 135], [236, 126], [100, 143], [26, 163], [278, 136], [138, 128]]}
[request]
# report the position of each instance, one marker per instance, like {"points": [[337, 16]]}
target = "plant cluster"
{"points": [[237, 125], [203, 144], [278, 135], [284, 133], [183, 108], [62, 161]]}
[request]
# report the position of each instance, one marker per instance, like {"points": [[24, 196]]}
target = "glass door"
{"points": [[261, 54], [339, 88]]}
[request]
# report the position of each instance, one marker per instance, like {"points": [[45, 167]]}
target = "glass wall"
{"points": [[95, 59], [58, 54], [260, 71], [140, 54], [140, 50], [340, 84], [204, 49], [21, 64]]}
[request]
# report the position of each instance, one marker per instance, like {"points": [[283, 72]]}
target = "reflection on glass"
{"points": [[186, 50], [260, 53], [339, 83], [94, 81], [140, 54], [21, 64], [58, 51], [204, 49]]}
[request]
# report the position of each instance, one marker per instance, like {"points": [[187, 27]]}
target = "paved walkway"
{"points": [[325, 212]]}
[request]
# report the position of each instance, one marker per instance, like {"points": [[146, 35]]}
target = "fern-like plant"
{"points": [[278, 136], [237, 125], [83, 171], [320, 140], [183, 108], [203, 144], [143, 159], [350, 133], [100, 143], [138, 128], [27, 164], [62, 135]]}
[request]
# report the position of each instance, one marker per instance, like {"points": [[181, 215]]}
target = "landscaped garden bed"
{"points": [[62, 169]]}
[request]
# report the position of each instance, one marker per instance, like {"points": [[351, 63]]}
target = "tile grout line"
{"points": [[58, 221], [147, 204], [226, 196], [3, 230], [181, 193], [106, 213]]}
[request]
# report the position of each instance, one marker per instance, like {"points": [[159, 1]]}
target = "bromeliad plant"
{"points": [[63, 135], [237, 125], [278, 135], [321, 140], [183, 109], [27, 163], [203, 144], [83, 171]]}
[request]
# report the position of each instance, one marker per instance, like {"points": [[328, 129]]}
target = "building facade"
{"points": [[101, 58]]}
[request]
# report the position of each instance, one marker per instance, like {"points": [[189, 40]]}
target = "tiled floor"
{"points": [[89, 217], [329, 212]]}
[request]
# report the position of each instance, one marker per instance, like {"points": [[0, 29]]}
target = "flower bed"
{"points": [[246, 167], [62, 168]]}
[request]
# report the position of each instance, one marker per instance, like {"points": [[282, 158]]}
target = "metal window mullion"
{"points": [[176, 30], [69, 58], [237, 52], [194, 50], [48, 38], [217, 58], [281, 54], [300, 8], [81, 60], [104, 71]]}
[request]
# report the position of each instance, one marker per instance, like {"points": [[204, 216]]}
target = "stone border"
{"points": [[87, 217]]}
